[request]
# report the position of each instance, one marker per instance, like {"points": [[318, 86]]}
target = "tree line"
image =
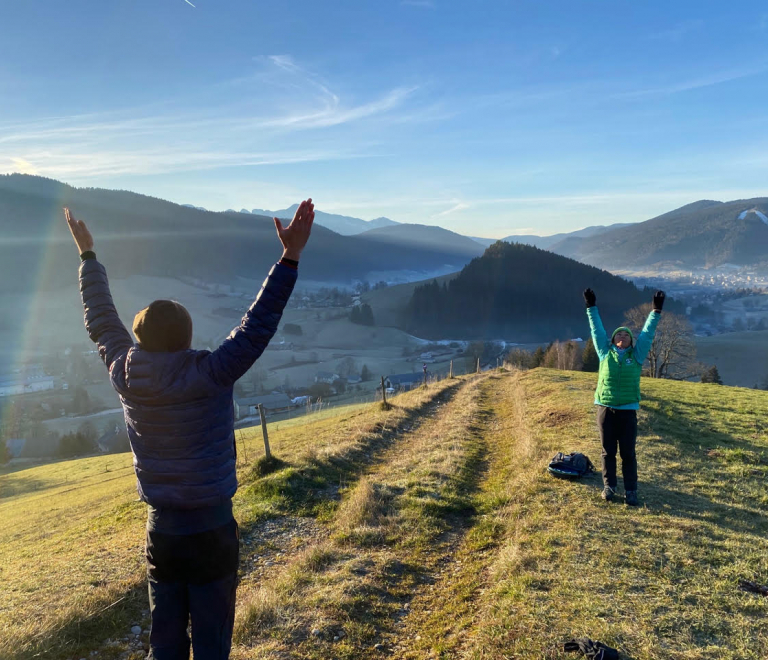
{"points": [[672, 354]]}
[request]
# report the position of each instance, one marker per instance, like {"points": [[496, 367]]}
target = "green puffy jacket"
{"points": [[618, 382]]}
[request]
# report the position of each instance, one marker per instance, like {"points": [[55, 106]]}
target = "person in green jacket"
{"points": [[618, 393]]}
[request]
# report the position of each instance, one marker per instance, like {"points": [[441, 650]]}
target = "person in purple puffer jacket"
{"points": [[179, 415]]}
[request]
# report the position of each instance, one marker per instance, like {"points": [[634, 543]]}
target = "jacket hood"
{"points": [[628, 331]]}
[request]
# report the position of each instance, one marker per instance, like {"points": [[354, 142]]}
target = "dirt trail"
{"points": [[345, 597]]}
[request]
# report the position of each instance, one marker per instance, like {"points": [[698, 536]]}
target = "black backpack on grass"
{"points": [[570, 465]]}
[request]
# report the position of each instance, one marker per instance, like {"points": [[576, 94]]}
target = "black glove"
{"points": [[591, 650], [658, 300], [590, 298]]}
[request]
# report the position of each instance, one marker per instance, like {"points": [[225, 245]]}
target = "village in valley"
{"points": [[329, 351]]}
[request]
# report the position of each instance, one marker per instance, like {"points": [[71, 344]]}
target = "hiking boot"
{"points": [[630, 498], [608, 493]]}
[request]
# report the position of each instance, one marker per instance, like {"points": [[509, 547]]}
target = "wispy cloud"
{"points": [[335, 115], [75, 165], [190, 4], [427, 4], [679, 31], [459, 206], [232, 134], [698, 82]]}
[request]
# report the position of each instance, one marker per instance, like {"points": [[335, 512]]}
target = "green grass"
{"points": [[439, 532], [657, 582], [76, 527], [741, 357]]}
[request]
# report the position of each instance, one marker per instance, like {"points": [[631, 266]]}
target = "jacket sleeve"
{"points": [[599, 336], [645, 340], [101, 320], [247, 342]]}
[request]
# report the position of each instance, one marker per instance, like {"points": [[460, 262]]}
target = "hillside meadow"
{"points": [[430, 529]]}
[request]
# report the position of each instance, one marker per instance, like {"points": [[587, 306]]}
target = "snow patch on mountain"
{"points": [[759, 214]]}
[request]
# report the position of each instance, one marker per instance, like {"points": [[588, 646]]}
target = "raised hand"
{"points": [[590, 298], [295, 236], [80, 233], [658, 300]]}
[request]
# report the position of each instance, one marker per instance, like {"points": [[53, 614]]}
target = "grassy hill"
{"points": [[431, 530], [741, 357]]}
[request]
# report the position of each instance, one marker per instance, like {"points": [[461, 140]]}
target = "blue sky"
{"points": [[488, 118]]}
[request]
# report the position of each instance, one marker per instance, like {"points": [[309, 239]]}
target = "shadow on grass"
{"points": [[20, 485], [668, 422], [265, 466], [76, 637], [703, 509], [304, 489]]}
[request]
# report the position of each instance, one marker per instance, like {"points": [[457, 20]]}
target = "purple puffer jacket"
{"points": [[178, 406]]}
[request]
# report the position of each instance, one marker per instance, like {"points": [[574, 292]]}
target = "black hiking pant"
{"points": [[192, 578], [618, 430]]}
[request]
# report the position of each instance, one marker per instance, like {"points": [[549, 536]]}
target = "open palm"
{"points": [[295, 236], [80, 233]]}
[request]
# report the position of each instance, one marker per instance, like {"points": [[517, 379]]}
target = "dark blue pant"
{"points": [[192, 578], [211, 608], [618, 430]]}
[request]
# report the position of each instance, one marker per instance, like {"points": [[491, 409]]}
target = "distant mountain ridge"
{"points": [[426, 236], [546, 242], [137, 234], [704, 234], [342, 224]]}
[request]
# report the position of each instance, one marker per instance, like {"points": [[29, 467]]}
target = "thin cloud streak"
{"points": [[460, 206], [676, 33], [110, 144], [77, 166], [698, 83]]}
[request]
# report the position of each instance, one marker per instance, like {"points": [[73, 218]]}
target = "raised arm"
{"points": [[645, 340], [599, 337], [101, 320], [247, 342]]}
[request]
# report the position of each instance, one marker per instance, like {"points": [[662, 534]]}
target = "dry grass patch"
{"points": [[388, 531], [72, 540], [658, 582]]}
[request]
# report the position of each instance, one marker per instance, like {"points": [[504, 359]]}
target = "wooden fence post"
{"points": [[263, 416], [383, 392], [478, 366], [450, 370]]}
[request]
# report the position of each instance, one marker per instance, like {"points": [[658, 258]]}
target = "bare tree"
{"points": [[564, 355], [673, 352], [347, 367]]}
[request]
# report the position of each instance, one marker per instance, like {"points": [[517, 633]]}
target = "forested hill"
{"points": [[140, 234], [519, 293]]}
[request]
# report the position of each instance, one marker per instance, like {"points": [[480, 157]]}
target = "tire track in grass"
{"points": [[439, 620], [271, 538], [344, 596], [270, 543]]}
